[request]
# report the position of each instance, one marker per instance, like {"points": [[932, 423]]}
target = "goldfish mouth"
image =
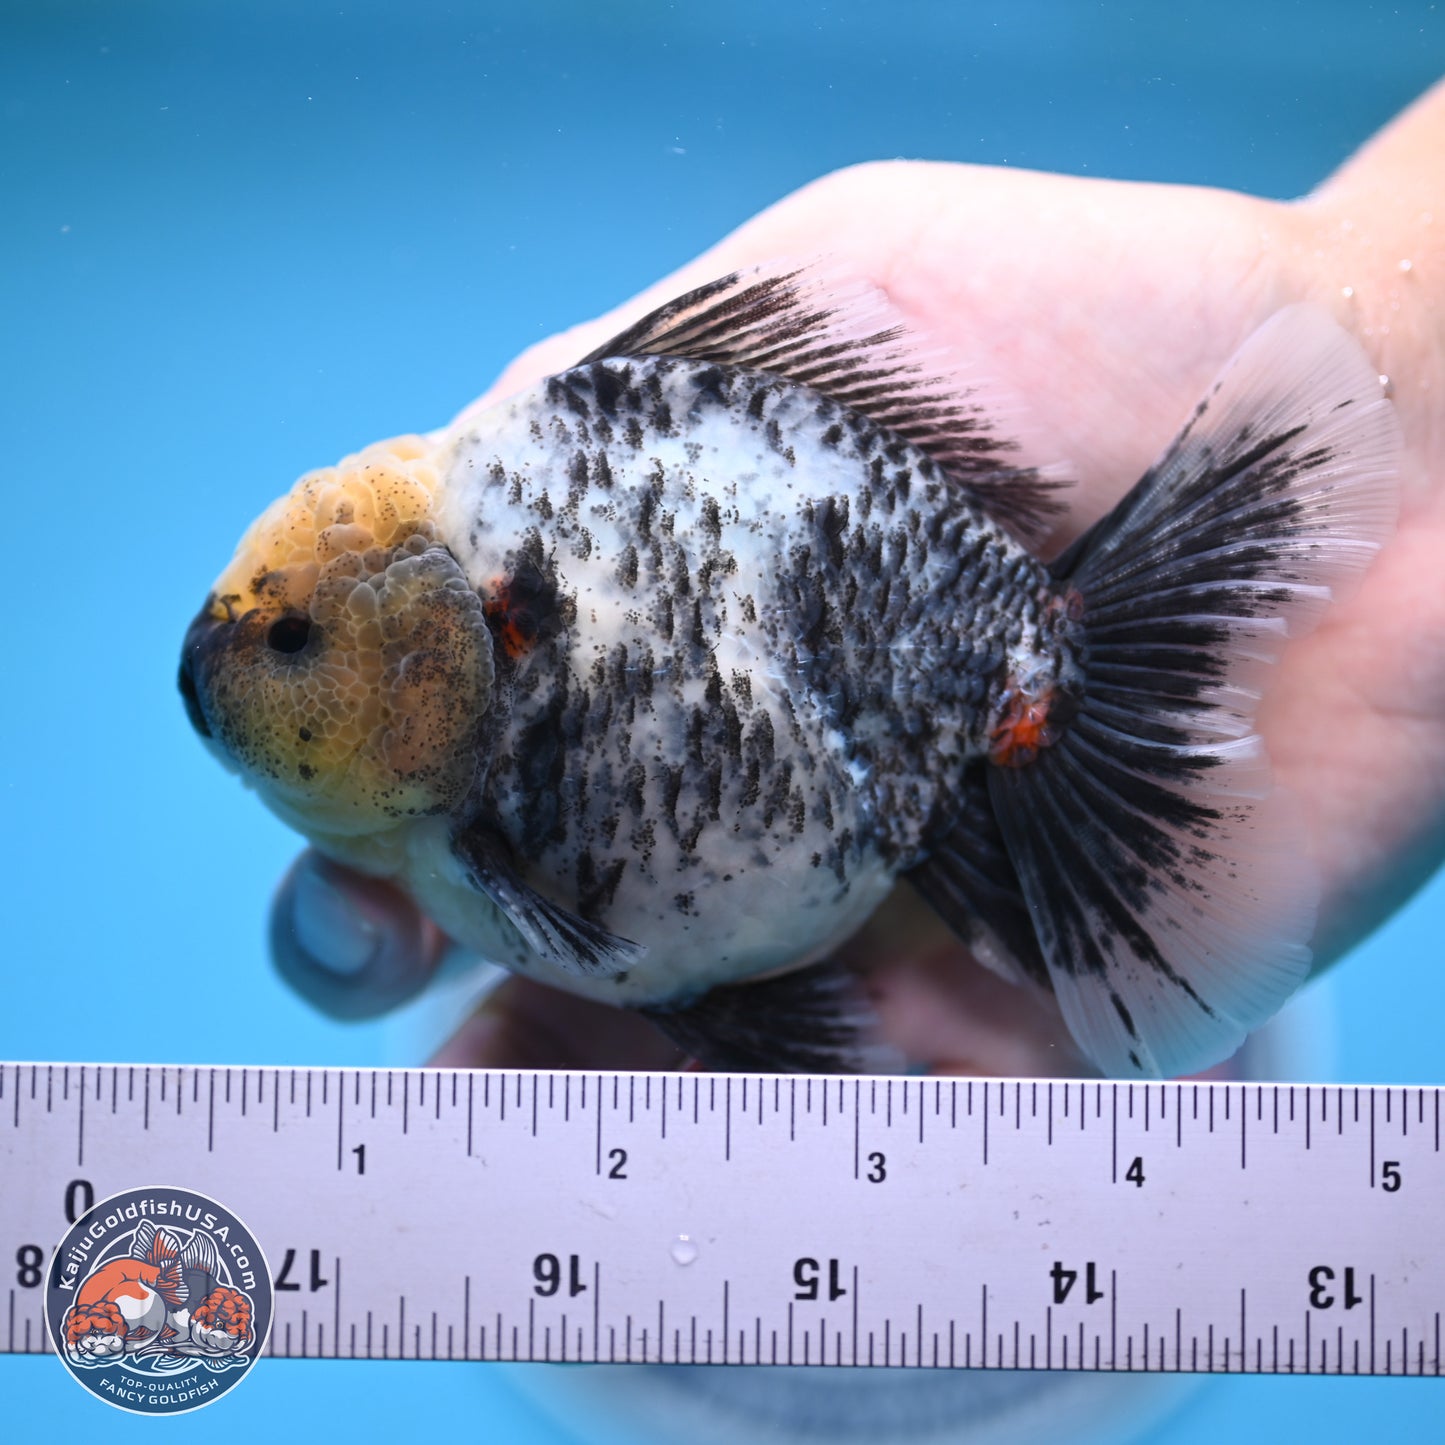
{"points": [[211, 633], [193, 651], [209, 672]]}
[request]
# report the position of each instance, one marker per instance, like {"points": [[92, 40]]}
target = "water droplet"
{"points": [[683, 1251], [1407, 265], [1347, 292]]}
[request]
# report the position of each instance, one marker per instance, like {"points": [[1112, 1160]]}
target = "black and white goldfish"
{"points": [[654, 679]]}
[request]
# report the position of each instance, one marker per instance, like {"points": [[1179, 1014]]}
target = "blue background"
{"points": [[239, 240]]}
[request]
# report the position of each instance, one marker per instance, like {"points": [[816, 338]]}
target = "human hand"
{"points": [[1109, 307]]}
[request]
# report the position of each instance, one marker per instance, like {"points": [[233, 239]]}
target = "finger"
{"points": [[526, 1025], [944, 1010], [912, 229], [865, 219], [955, 1017], [352, 947]]}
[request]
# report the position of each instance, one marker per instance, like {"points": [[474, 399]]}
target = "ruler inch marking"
{"points": [[1047, 1177], [1114, 1133], [599, 1127], [857, 1127], [1372, 1134]]}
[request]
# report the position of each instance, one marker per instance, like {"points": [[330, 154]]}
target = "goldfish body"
{"points": [[654, 678]]}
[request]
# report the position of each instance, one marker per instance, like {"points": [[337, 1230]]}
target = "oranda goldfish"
{"points": [[163, 1297], [655, 678]]}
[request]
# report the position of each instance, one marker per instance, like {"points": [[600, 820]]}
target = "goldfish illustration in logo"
{"points": [[141, 1302]]}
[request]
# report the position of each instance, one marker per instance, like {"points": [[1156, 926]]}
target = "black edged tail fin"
{"points": [[1165, 878]]}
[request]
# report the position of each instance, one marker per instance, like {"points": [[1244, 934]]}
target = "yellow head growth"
{"points": [[378, 497], [343, 661]]}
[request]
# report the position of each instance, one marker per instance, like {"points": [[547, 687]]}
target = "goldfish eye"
{"points": [[288, 634]]}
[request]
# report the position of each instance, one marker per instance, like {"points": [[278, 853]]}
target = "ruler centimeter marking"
{"points": [[764, 1219]]}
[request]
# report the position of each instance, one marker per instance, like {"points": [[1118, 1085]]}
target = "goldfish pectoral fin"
{"points": [[848, 341], [969, 880], [1165, 875], [815, 1021], [550, 930]]}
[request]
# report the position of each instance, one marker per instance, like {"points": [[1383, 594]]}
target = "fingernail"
{"points": [[334, 934]]}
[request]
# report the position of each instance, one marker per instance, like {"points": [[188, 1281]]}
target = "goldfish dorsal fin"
{"points": [[849, 342]]}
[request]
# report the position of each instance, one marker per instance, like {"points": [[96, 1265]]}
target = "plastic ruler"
{"points": [[746, 1219]]}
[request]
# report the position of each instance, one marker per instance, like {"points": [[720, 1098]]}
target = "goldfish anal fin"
{"points": [[815, 1020], [971, 883], [847, 341]]}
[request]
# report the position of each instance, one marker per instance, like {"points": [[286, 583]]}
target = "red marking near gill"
{"points": [[511, 617]]}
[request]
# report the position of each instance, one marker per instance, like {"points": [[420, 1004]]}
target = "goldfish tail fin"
{"points": [[1164, 875], [164, 1247], [143, 1240], [200, 1253]]}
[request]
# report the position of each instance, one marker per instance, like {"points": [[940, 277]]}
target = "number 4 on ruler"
{"points": [[1065, 1279]]}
